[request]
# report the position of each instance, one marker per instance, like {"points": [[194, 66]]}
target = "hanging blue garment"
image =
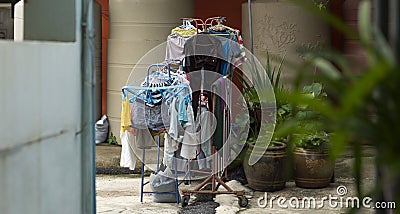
{"points": [[182, 111], [230, 48]]}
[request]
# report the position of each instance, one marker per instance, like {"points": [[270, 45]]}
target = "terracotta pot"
{"points": [[312, 168], [268, 174]]}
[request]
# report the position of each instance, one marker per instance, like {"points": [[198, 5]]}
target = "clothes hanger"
{"points": [[144, 92], [215, 23]]}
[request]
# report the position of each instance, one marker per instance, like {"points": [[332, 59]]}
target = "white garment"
{"points": [[190, 139], [170, 146], [175, 47], [128, 157], [174, 124], [206, 122]]}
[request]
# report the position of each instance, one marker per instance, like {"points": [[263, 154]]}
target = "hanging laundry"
{"points": [[182, 113], [125, 115], [175, 128], [155, 117], [177, 39], [186, 32], [144, 139], [205, 125], [190, 138], [232, 46], [128, 156], [175, 46], [203, 162], [170, 146], [219, 111], [202, 64]]}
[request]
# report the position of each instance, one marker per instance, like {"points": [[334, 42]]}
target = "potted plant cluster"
{"points": [[268, 173]]}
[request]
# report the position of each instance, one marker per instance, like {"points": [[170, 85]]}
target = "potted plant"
{"points": [[313, 167], [268, 173]]}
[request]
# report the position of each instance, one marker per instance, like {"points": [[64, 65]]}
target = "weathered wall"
{"points": [[41, 156], [135, 28], [40, 117], [351, 47], [280, 28]]}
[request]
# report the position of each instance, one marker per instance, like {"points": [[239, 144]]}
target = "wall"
{"points": [[42, 154], [231, 9], [135, 28], [351, 47], [40, 121], [52, 23], [97, 50], [6, 22], [280, 28]]}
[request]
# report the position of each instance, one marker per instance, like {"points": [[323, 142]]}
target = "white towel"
{"points": [[190, 139], [128, 157]]}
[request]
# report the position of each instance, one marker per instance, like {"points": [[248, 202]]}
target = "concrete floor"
{"points": [[121, 193]]}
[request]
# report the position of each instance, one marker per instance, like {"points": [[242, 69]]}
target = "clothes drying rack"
{"points": [[213, 176], [141, 92]]}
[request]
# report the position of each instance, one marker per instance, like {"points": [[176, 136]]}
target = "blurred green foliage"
{"points": [[363, 106]]}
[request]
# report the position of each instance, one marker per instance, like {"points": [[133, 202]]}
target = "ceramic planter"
{"points": [[268, 174], [312, 168]]}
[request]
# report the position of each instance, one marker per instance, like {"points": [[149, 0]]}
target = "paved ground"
{"points": [[120, 193]]}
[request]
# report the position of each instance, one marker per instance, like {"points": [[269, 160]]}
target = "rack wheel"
{"points": [[185, 200], [243, 202]]}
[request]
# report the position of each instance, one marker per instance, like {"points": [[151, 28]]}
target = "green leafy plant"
{"points": [[112, 140], [314, 140], [262, 81], [307, 123]]}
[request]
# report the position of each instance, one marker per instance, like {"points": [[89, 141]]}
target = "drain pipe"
{"points": [[250, 26], [87, 113], [105, 29]]}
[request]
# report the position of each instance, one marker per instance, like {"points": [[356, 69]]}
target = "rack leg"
{"points": [[158, 153], [223, 184], [213, 169], [176, 179], [189, 175], [142, 183]]}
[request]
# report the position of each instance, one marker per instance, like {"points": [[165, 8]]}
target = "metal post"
{"points": [[176, 178], [158, 153], [142, 183], [87, 112], [250, 26]]}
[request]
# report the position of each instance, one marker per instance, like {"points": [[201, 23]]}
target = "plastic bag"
{"points": [[101, 129], [163, 182]]}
